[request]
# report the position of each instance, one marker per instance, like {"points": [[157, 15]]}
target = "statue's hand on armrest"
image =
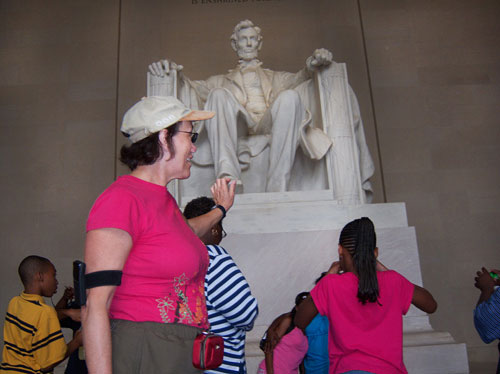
{"points": [[164, 68], [162, 78], [321, 57]]}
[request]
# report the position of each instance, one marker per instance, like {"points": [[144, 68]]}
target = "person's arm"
{"points": [[283, 324], [62, 306], [486, 316], [423, 300], [74, 314], [223, 194], [277, 321], [70, 348], [486, 284], [275, 331], [65, 298], [334, 268], [306, 312], [270, 362], [105, 249]]}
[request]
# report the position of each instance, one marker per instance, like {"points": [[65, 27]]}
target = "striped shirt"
{"points": [[231, 308], [487, 320], [32, 336]]}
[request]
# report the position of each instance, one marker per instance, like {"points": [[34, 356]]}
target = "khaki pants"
{"points": [[151, 347]]}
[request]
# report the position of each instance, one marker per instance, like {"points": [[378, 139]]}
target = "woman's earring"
{"points": [[214, 232]]}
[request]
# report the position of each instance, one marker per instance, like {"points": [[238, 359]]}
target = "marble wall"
{"points": [[58, 69], [434, 73], [425, 72]]}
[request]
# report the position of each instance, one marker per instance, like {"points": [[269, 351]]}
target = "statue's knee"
{"points": [[219, 94]]}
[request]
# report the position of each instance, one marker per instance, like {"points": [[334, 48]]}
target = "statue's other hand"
{"points": [[320, 58], [163, 68]]}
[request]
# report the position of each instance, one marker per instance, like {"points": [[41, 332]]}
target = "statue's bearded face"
{"points": [[248, 44]]}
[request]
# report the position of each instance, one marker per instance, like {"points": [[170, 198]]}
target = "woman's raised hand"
{"points": [[223, 192]]}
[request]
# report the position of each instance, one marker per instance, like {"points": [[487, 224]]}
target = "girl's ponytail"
{"points": [[358, 237]]}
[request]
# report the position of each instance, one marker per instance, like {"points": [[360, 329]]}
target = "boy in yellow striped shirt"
{"points": [[33, 340]]}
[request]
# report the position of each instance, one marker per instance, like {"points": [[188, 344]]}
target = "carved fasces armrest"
{"points": [[338, 124], [164, 85]]}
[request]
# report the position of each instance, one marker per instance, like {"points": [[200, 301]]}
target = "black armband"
{"points": [[223, 210], [83, 281], [103, 278]]}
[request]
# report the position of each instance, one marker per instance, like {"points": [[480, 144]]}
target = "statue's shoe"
{"points": [[239, 186], [239, 183]]}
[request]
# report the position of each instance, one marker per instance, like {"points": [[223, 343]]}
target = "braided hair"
{"points": [[359, 239]]}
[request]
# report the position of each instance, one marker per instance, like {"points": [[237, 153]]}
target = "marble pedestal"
{"points": [[283, 241]]}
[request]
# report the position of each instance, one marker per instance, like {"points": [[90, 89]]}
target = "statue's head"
{"points": [[246, 40]]}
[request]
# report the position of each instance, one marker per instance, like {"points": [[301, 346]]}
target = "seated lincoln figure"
{"points": [[255, 108]]}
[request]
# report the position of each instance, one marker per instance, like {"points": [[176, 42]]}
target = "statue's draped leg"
{"points": [[222, 132], [287, 114]]}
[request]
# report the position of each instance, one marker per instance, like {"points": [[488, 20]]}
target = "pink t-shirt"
{"points": [[364, 337], [163, 277], [289, 353]]}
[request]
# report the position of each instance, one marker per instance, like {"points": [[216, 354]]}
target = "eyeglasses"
{"points": [[194, 135]]}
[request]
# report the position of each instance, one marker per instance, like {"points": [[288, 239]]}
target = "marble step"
{"points": [[283, 246], [440, 354]]}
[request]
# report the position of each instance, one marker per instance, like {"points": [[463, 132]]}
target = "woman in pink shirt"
{"points": [[365, 303], [149, 322]]}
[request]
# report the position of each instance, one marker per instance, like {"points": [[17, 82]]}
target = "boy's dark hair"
{"points": [[359, 239], [198, 207], [148, 150], [30, 266]]}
